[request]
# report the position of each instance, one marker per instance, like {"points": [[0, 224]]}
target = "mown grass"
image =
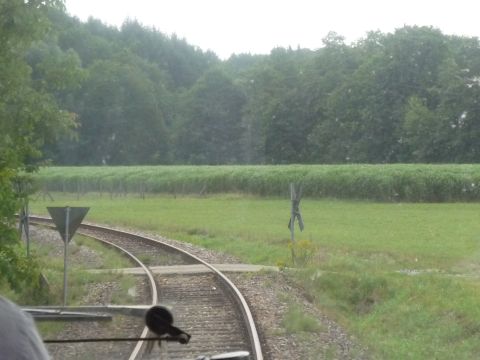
{"points": [[357, 272], [79, 278], [399, 182], [419, 235]]}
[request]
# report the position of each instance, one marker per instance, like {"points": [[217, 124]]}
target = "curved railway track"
{"points": [[206, 305]]}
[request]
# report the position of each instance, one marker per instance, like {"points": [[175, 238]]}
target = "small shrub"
{"points": [[147, 259], [282, 264], [21, 274], [304, 251], [296, 321]]}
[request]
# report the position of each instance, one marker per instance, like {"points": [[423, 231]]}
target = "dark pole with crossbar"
{"points": [[295, 196], [292, 221], [67, 221]]}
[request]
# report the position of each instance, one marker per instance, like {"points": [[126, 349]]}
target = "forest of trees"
{"points": [[30, 119], [141, 97]]}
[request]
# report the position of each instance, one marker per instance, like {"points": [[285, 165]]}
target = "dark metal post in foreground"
{"points": [[292, 222], [23, 224], [27, 227], [23, 188], [67, 237]]}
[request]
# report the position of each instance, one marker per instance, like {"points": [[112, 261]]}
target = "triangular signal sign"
{"points": [[75, 218]]}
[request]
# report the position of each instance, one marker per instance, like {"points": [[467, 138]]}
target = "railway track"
{"points": [[207, 306]]}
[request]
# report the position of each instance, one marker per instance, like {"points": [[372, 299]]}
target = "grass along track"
{"points": [[86, 288]]}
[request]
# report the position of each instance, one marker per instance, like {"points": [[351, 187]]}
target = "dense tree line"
{"points": [[30, 119], [142, 97]]}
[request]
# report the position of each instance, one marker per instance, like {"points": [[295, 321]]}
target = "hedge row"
{"points": [[404, 182]]}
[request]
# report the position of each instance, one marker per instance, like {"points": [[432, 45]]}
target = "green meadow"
{"points": [[402, 277]]}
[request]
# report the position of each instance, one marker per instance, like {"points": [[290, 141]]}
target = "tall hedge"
{"points": [[413, 183]]}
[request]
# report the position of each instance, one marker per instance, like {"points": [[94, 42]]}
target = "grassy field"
{"points": [[404, 278]]}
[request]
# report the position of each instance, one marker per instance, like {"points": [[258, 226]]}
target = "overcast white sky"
{"points": [[257, 26]]}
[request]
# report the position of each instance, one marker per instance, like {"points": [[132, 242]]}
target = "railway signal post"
{"points": [[295, 197], [67, 220], [23, 188]]}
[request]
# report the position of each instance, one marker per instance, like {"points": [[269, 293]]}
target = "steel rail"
{"points": [[136, 351], [237, 295]]}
